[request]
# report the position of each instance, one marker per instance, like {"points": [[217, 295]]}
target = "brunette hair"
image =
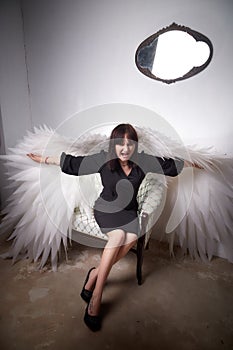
{"points": [[118, 133]]}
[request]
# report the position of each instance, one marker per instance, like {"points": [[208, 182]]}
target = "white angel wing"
{"points": [[206, 229], [40, 210], [198, 212]]}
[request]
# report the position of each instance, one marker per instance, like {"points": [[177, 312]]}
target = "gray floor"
{"points": [[182, 304]]}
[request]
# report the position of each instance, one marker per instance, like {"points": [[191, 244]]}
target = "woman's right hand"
{"points": [[36, 157], [45, 160]]}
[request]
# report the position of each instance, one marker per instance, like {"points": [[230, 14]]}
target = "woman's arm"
{"points": [[166, 166], [153, 164], [170, 167], [74, 165], [82, 165], [44, 160]]}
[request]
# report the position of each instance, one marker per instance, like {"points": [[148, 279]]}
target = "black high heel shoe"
{"points": [[92, 322], [86, 294]]}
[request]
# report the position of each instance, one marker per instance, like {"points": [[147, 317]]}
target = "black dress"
{"points": [[117, 204]]}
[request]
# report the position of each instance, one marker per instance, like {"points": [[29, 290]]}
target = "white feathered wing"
{"points": [[198, 212], [41, 206]]}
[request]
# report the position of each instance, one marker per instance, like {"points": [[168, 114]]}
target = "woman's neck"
{"points": [[124, 164]]}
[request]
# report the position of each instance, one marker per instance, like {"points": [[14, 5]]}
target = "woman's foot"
{"points": [[88, 286], [91, 317], [94, 305]]}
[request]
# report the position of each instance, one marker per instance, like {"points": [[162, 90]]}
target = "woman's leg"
{"points": [[130, 239], [112, 253]]}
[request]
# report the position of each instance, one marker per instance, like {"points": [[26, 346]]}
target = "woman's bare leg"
{"points": [[129, 242], [112, 253]]}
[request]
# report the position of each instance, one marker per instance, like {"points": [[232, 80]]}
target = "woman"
{"points": [[122, 170]]}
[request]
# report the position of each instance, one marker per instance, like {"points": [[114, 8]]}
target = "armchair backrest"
{"points": [[151, 193]]}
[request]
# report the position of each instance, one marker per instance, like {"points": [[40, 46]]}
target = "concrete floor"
{"points": [[182, 304]]}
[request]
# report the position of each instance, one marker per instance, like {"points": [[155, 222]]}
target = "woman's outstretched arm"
{"points": [[167, 166], [74, 165], [44, 160]]}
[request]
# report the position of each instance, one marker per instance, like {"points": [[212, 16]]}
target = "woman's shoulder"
{"points": [[143, 155]]}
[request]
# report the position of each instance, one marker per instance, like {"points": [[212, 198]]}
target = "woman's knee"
{"points": [[130, 238], [116, 238]]}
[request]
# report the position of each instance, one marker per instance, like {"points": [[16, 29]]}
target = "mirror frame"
{"points": [[195, 70]]}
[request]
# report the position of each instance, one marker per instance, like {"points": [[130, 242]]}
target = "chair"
{"points": [[150, 200]]}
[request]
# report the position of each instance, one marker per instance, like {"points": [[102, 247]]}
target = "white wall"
{"points": [[80, 54], [13, 73], [14, 101]]}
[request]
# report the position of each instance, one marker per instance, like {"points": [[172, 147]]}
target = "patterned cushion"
{"points": [[82, 223], [150, 193]]}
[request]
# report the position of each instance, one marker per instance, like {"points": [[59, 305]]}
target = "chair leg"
{"points": [[140, 248]]}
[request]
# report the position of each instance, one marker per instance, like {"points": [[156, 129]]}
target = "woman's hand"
{"points": [[193, 165], [37, 158]]}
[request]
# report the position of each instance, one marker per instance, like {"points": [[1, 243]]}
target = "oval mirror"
{"points": [[174, 53]]}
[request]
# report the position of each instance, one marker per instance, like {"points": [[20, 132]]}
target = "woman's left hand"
{"points": [[193, 165]]}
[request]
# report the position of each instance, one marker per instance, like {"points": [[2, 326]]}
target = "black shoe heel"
{"points": [[86, 294]]}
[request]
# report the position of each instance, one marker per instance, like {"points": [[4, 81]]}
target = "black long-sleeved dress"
{"points": [[116, 207]]}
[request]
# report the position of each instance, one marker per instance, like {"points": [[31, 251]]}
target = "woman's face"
{"points": [[124, 149]]}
